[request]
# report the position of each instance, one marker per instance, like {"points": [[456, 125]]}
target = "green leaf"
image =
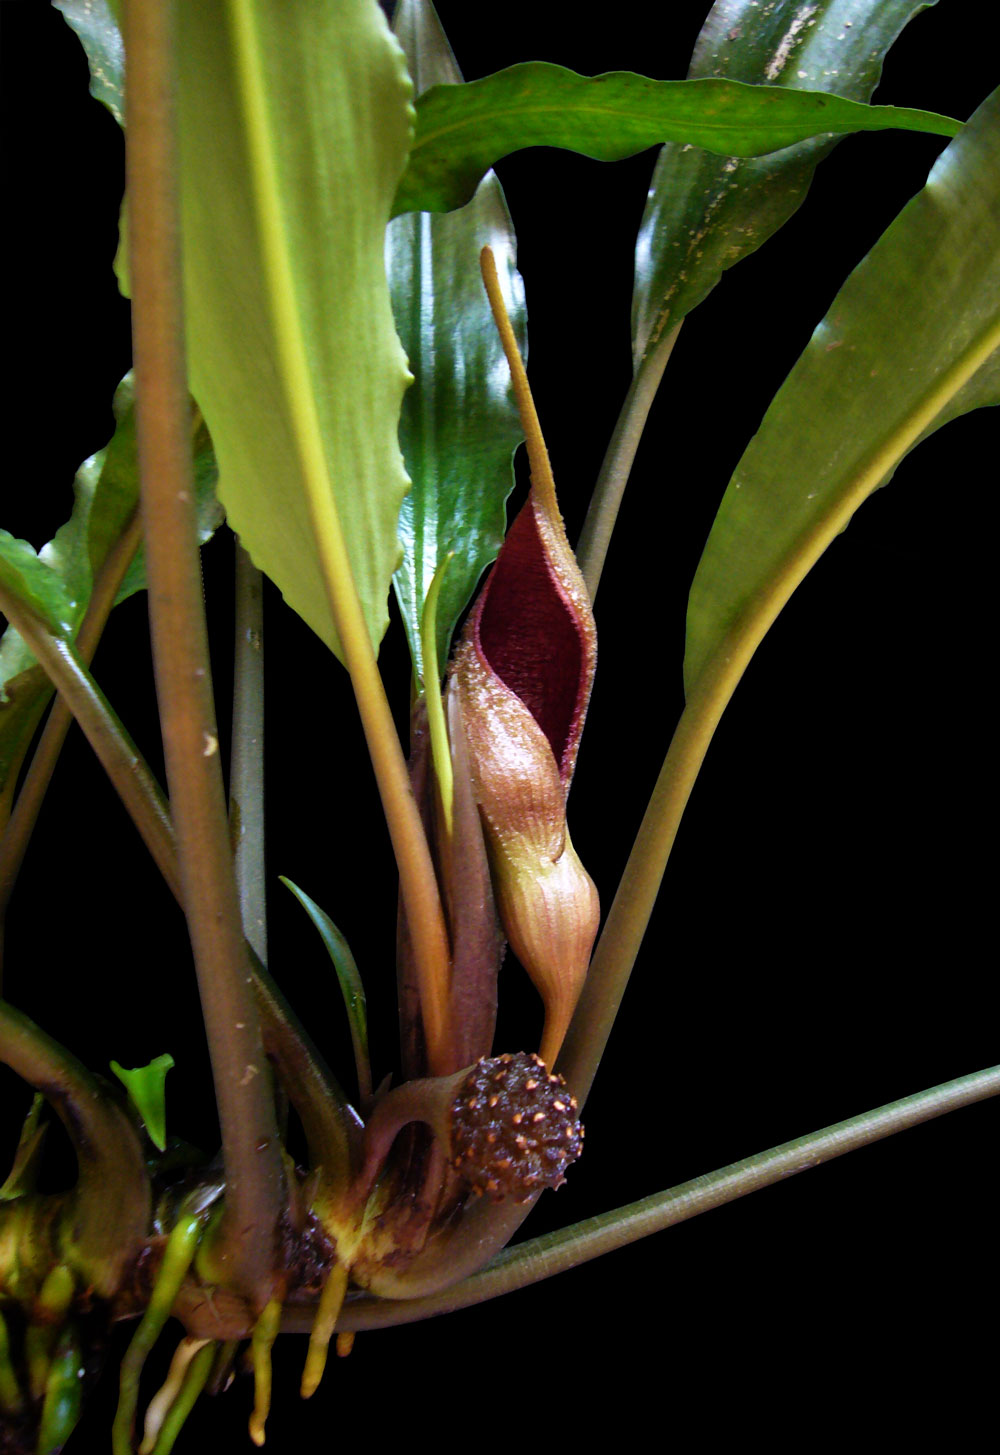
{"points": [[295, 125], [121, 469], [95, 23], [349, 978], [64, 1386], [11, 1398], [146, 1088], [706, 212], [23, 1175], [459, 426], [105, 495], [268, 200], [23, 698], [35, 584], [65, 566], [463, 130], [910, 341]]}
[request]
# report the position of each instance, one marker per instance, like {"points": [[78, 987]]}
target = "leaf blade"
{"points": [[461, 131], [705, 212], [459, 426], [293, 356], [96, 25], [105, 496], [25, 690], [35, 584], [146, 1087], [349, 980], [929, 335]]}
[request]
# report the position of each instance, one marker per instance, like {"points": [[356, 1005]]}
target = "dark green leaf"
{"points": [[459, 426], [911, 340], [349, 978], [23, 698], [146, 1086], [105, 495], [23, 1175], [123, 472], [98, 28], [35, 584], [95, 23], [463, 130], [64, 1386], [706, 212]]}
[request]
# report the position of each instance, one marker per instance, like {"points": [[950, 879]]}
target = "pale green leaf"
{"points": [[146, 1086], [295, 125]]}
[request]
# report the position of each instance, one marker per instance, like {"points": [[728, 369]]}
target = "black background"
{"points": [[822, 940]]}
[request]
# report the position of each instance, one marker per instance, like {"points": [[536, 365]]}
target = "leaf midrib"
{"points": [[285, 312]]}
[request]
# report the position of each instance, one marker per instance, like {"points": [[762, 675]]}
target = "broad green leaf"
{"points": [[705, 212], [910, 341], [95, 23], [263, 212], [349, 978], [463, 130], [35, 584], [295, 125], [146, 1086], [459, 426], [105, 494]]}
